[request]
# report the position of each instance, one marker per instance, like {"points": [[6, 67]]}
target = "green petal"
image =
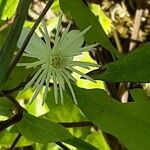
{"points": [[60, 78], [47, 40], [58, 25], [41, 76], [47, 37], [70, 87], [55, 87], [83, 64], [82, 74], [72, 41], [30, 83], [79, 50], [69, 75], [47, 86], [55, 48], [64, 34], [31, 65], [61, 94], [38, 88], [35, 46]]}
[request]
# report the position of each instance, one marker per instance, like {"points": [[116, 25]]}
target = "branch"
{"points": [[17, 113], [77, 124], [15, 141]]}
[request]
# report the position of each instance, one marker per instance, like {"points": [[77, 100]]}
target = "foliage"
{"points": [[83, 125]]}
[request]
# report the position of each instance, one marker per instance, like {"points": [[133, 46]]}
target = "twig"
{"points": [[62, 146], [117, 40], [17, 113], [15, 141], [20, 52], [7, 23], [77, 124], [136, 28], [21, 85]]}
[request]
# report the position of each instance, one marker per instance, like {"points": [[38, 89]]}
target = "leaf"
{"points": [[80, 144], [129, 122], [83, 18], [5, 107], [8, 48], [134, 67], [41, 130]]}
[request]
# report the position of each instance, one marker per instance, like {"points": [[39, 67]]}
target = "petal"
{"points": [[82, 74], [38, 88], [64, 34], [55, 48], [47, 86], [70, 87], [61, 94], [41, 76], [79, 50], [55, 87], [30, 83], [35, 46], [68, 74], [72, 41], [47, 37], [60, 78], [58, 26], [31, 65], [83, 64]]}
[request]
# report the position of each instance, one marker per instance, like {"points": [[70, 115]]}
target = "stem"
{"points": [[15, 141], [17, 113], [77, 124], [117, 40], [62, 146]]}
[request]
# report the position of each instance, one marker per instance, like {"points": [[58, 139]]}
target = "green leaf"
{"points": [[41, 130], [134, 67], [6, 53], [5, 107], [129, 122], [80, 144], [3, 35], [83, 18], [139, 95]]}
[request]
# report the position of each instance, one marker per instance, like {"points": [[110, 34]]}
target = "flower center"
{"points": [[56, 61]]}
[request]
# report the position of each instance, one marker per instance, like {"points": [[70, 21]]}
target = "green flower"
{"points": [[55, 63]]}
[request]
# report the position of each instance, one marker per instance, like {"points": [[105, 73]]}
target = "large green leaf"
{"points": [[83, 18], [134, 67], [41, 130], [129, 122], [8, 48]]}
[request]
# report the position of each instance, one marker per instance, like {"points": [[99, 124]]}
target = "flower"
{"points": [[55, 63]]}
